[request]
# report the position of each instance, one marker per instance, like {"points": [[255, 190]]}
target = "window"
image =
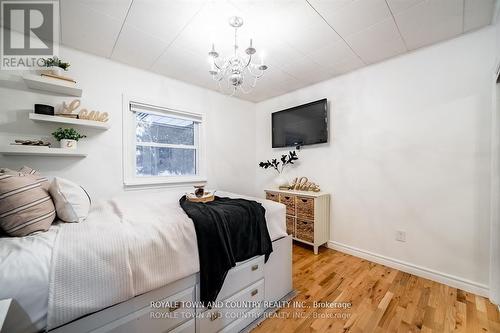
{"points": [[164, 145]]}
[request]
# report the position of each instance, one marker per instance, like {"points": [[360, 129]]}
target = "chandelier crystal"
{"points": [[234, 72]]}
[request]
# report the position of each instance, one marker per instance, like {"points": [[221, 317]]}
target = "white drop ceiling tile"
{"points": [[291, 85], [346, 66], [304, 70], [276, 19], [162, 19], [331, 53], [279, 53], [378, 42], [262, 93], [330, 5], [430, 21], [136, 48], [308, 38], [177, 58], [398, 6], [113, 8], [300, 13], [87, 29], [478, 13], [318, 75], [354, 16], [210, 25]]}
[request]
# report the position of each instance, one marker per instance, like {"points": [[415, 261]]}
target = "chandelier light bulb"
{"points": [[212, 53], [250, 50]]}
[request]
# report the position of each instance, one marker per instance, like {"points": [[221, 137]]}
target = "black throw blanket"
{"points": [[227, 231]]}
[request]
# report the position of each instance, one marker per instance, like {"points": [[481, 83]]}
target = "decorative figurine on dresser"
{"points": [[307, 214]]}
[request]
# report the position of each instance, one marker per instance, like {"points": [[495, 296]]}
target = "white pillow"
{"points": [[71, 200]]}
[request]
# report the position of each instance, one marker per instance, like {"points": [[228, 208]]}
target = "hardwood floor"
{"points": [[383, 300]]}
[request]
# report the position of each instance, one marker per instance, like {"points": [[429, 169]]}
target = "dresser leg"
{"points": [[316, 249]]}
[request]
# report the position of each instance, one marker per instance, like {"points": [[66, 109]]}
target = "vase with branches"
{"points": [[279, 166]]}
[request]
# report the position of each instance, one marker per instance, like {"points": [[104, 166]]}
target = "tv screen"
{"points": [[301, 125]]}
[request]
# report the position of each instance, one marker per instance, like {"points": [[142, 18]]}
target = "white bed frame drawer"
{"points": [[165, 318], [216, 319], [244, 274], [188, 327], [277, 281]]}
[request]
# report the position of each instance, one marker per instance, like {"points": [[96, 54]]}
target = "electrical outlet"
{"points": [[401, 236]]}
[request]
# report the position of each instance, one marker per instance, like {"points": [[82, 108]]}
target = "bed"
{"points": [[157, 268]]}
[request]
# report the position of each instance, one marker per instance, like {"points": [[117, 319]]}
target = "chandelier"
{"points": [[232, 72]]}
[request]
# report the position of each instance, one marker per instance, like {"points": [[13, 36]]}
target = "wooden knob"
{"points": [[215, 316]]}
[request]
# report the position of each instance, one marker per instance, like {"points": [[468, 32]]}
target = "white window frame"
{"points": [[130, 179]]}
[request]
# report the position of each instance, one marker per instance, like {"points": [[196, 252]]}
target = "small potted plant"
{"points": [[55, 66], [68, 137]]}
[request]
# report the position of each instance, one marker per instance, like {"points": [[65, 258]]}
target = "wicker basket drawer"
{"points": [[305, 208], [289, 201], [290, 225], [272, 196], [304, 230]]}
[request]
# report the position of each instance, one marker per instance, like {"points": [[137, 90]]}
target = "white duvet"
{"points": [[127, 246]]}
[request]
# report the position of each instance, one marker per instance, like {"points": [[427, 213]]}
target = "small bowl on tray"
{"points": [[206, 197]]}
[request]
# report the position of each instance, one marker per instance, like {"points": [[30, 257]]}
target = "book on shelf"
{"points": [[58, 77], [67, 115]]}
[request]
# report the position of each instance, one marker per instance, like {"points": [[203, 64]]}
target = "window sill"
{"points": [[167, 181]]}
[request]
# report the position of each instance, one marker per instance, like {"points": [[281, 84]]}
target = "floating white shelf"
{"points": [[41, 151], [70, 121], [52, 85]]}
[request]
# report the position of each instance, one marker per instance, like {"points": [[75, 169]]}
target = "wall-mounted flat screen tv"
{"points": [[301, 125]]}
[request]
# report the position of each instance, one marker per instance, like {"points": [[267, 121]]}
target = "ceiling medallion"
{"points": [[236, 72]]}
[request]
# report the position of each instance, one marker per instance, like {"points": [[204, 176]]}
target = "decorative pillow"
{"points": [[29, 171], [71, 200], [25, 206]]}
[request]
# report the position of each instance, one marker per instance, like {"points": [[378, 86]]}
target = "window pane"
{"points": [[164, 129], [160, 161]]}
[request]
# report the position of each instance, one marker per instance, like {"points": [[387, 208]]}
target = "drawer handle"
{"points": [[304, 200], [215, 316], [287, 198], [255, 267], [175, 307], [254, 292]]}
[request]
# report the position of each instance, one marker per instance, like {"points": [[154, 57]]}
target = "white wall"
{"points": [[409, 150], [229, 124]]}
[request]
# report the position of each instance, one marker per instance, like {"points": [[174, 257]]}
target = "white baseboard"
{"points": [[453, 281]]}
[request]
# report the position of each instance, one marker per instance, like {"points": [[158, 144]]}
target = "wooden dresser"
{"points": [[307, 215]]}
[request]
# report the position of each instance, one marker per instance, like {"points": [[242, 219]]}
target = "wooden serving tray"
{"points": [[206, 198]]}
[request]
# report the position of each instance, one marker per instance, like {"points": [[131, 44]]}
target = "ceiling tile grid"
{"points": [[302, 41], [92, 26], [378, 42]]}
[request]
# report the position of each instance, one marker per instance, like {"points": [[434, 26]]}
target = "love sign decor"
{"points": [[303, 184], [67, 110]]}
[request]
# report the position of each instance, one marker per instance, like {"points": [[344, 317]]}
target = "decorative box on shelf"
{"points": [[307, 215]]}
